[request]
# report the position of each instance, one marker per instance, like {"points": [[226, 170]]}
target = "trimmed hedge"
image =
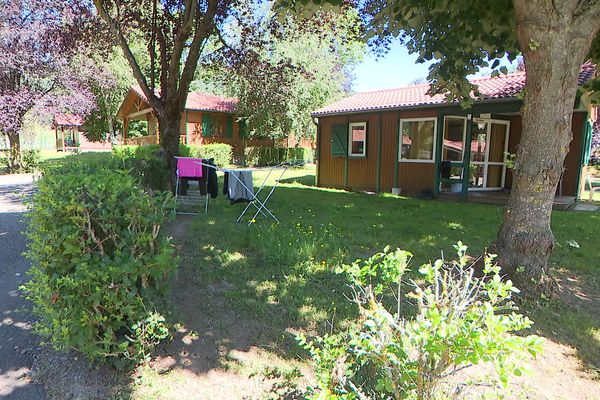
{"points": [[147, 165], [222, 153], [100, 262], [264, 156]]}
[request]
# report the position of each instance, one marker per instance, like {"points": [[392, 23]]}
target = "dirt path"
{"points": [[17, 343]]}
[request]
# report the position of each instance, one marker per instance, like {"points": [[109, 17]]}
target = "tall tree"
{"points": [[176, 32], [281, 69], [110, 78], [37, 40], [555, 38]]}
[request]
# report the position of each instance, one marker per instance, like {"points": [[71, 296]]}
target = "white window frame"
{"points": [[464, 137], [432, 161], [364, 152]]}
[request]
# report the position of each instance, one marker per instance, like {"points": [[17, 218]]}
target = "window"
{"points": [[357, 137], [417, 139], [455, 129]]}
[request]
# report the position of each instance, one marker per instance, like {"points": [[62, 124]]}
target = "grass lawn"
{"points": [[242, 288]]}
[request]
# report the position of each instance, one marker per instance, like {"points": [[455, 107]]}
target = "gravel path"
{"points": [[17, 343]]}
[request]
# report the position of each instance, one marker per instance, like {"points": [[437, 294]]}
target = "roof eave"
{"points": [[209, 110], [412, 107]]}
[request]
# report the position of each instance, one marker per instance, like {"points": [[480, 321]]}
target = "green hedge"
{"points": [[100, 262], [221, 152], [146, 164], [263, 156]]}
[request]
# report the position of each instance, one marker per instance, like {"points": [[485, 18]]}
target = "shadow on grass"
{"points": [[241, 288], [306, 180]]}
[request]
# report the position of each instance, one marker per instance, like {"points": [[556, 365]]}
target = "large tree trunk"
{"points": [[554, 44], [169, 125], [14, 155]]}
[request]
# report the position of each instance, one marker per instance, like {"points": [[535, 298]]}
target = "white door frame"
{"points": [[486, 163]]}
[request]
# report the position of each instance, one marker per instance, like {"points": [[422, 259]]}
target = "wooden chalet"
{"points": [[207, 119], [404, 140], [68, 129]]}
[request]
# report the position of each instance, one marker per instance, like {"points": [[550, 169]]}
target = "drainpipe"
{"points": [[315, 121]]}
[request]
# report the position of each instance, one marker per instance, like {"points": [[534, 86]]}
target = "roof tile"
{"points": [[499, 87], [199, 101]]}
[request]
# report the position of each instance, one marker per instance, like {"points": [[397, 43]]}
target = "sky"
{"points": [[395, 69]]}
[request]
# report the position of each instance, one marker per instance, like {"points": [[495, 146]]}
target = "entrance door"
{"points": [[489, 142]]}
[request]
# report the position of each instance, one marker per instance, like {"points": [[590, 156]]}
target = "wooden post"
{"points": [[125, 126]]}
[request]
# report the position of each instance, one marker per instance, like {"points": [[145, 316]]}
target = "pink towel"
{"points": [[188, 167]]}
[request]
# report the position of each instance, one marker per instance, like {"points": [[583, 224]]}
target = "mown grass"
{"points": [[284, 274]]}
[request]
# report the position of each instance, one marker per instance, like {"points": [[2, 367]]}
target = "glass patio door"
{"points": [[489, 142]]}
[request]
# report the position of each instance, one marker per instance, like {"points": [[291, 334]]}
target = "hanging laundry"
{"points": [[240, 187]]}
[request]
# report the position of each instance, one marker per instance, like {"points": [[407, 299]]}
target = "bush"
{"points": [[29, 161], [99, 262], [144, 163], [265, 156], [460, 320], [147, 165], [222, 153]]}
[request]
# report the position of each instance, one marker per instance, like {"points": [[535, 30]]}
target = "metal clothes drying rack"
{"points": [[260, 205], [177, 186]]}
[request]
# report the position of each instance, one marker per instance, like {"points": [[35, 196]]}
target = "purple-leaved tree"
{"points": [[38, 39]]}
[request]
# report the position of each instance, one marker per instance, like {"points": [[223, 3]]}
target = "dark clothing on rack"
{"points": [[203, 182], [239, 186], [208, 182], [185, 185]]}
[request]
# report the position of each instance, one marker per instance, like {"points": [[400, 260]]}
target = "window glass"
{"points": [[479, 142], [418, 139], [454, 145], [358, 139]]}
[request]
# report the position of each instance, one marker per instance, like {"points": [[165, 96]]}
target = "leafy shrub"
{"points": [[222, 153], [30, 160], [263, 156], [27, 161], [461, 319], [150, 168], [100, 263], [146, 164], [87, 163]]}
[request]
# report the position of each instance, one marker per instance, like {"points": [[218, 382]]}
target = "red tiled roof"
{"points": [[61, 119], [198, 101], [499, 87]]}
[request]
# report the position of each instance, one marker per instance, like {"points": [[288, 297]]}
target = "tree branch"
{"points": [[137, 72], [191, 8]]}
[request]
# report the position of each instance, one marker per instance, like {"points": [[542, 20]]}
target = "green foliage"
{"points": [[282, 70], [222, 153], [461, 319], [261, 156], [473, 37], [110, 79], [100, 262], [28, 161], [146, 164]]}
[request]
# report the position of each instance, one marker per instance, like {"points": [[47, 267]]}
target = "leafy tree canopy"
{"points": [[282, 68], [38, 38]]}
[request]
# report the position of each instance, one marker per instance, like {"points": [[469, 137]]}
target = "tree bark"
{"points": [[555, 39], [169, 121], [14, 156]]}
